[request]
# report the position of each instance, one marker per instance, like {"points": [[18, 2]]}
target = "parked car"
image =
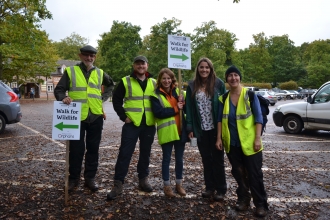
{"points": [[307, 92], [310, 115], [298, 95], [10, 108], [286, 94], [270, 96]]}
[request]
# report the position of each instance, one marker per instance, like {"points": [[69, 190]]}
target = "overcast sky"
{"points": [[302, 20]]}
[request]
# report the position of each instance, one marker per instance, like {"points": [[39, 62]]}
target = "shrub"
{"points": [[291, 85]]}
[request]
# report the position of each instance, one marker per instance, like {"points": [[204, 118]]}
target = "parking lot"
{"points": [[296, 174]]}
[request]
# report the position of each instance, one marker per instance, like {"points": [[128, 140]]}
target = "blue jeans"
{"points": [[129, 136], [167, 152]]}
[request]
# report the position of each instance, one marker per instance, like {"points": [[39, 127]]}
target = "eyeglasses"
{"points": [[88, 55]]}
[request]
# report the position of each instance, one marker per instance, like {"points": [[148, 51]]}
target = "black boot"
{"points": [[116, 190], [261, 211], [90, 183], [208, 193], [219, 197], [144, 185], [72, 184], [242, 205]]}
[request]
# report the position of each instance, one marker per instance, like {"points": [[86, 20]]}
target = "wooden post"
{"points": [[180, 93], [67, 171]]}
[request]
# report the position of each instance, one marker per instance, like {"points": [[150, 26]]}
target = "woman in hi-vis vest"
{"points": [[239, 129], [166, 104]]}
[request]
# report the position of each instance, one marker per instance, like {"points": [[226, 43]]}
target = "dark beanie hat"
{"points": [[232, 69]]}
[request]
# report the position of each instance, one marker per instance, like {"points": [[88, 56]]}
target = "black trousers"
{"points": [[213, 162], [93, 133], [129, 136], [248, 175]]}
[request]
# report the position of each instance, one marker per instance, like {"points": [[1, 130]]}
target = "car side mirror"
{"points": [[309, 99]]}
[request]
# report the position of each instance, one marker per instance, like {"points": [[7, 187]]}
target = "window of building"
{"points": [[14, 85], [50, 88]]}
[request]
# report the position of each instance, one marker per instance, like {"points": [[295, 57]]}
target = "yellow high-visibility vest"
{"points": [[167, 129], [136, 102], [88, 93], [245, 124]]}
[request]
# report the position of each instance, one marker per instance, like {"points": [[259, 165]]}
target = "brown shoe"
{"points": [[168, 191], [90, 183], [180, 190]]}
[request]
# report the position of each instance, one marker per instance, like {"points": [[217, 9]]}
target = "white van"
{"points": [[313, 114]]}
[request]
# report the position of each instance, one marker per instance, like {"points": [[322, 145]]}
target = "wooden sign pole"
{"points": [[180, 93], [67, 171]]}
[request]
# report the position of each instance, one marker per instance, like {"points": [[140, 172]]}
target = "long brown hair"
{"points": [[168, 72], [209, 87]]}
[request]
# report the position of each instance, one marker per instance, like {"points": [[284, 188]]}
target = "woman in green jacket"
{"points": [[201, 116]]}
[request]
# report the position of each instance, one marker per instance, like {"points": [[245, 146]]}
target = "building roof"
{"points": [[62, 64]]}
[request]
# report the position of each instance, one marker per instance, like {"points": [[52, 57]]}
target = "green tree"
{"points": [[19, 35], [68, 48], [155, 46], [40, 61], [259, 60], [118, 48], [216, 44], [286, 63], [317, 58]]}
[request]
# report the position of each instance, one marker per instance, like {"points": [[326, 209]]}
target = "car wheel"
{"points": [[272, 104], [288, 97], [292, 125], [2, 124]]}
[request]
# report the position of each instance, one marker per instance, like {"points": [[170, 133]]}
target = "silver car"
{"points": [[270, 96], [10, 109]]}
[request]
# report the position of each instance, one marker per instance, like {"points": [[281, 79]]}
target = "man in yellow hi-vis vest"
{"points": [[83, 83], [131, 101]]}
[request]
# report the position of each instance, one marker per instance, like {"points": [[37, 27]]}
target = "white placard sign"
{"points": [[66, 121], [179, 52]]}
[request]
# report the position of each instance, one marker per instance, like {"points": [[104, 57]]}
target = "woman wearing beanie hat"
{"points": [[202, 101], [239, 129]]}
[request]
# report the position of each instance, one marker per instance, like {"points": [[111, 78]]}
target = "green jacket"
{"points": [[193, 117]]}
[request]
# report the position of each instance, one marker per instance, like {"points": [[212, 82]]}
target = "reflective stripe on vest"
{"points": [[137, 102], [245, 124], [89, 94], [167, 129]]}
